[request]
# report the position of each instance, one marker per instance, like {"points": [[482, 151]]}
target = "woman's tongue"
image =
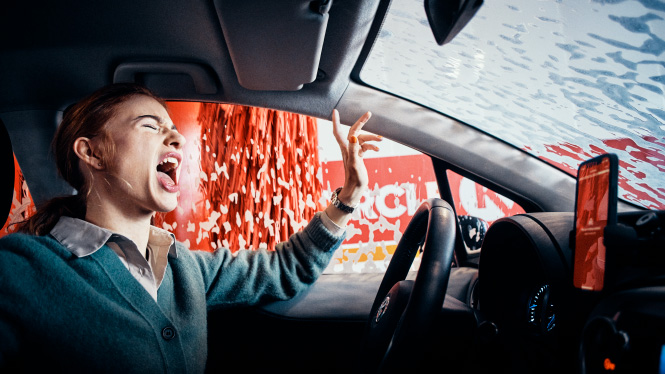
{"points": [[166, 182]]}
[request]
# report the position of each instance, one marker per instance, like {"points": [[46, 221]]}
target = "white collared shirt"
{"points": [[83, 238]]}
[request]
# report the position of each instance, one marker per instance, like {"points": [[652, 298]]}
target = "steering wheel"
{"points": [[404, 311]]}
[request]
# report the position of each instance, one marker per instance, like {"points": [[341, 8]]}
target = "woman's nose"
{"points": [[175, 139]]}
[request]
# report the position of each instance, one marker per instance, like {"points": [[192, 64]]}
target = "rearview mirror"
{"points": [[473, 231], [448, 17]]}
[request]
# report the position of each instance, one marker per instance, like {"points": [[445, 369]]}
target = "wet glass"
{"points": [[562, 80]]}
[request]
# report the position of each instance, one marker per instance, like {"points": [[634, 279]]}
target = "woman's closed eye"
{"points": [[151, 126]]}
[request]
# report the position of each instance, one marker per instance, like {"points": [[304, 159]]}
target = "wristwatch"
{"points": [[340, 205]]}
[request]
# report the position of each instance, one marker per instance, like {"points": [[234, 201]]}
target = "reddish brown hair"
{"points": [[87, 118]]}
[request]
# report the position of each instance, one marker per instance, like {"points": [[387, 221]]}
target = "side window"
{"points": [[251, 177], [248, 177], [477, 207], [473, 199]]}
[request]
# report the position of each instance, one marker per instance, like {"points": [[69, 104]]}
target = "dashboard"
{"points": [[531, 317], [519, 312]]}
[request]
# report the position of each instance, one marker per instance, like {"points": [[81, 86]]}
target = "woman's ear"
{"points": [[85, 151]]}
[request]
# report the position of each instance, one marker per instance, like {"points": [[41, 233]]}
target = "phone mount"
{"points": [[635, 250]]}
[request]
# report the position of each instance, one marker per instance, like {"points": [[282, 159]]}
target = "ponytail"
{"points": [[48, 214]]}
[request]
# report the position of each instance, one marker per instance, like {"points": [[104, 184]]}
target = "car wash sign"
{"points": [[397, 187]]}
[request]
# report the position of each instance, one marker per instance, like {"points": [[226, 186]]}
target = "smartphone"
{"points": [[595, 208]]}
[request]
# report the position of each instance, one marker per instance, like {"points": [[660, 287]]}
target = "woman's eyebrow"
{"points": [[156, 118]]}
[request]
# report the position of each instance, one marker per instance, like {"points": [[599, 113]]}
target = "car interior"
{"points": [[510, 303]]}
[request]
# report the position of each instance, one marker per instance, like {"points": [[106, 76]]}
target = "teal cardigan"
{"points": [[61, 313]]}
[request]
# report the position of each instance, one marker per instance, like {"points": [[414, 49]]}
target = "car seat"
{"points": [[16, 203]]}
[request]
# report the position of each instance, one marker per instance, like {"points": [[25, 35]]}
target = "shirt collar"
{"points": [[83, 238]]}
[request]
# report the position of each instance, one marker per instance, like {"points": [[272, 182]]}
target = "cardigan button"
{"points": [[168, 333]]}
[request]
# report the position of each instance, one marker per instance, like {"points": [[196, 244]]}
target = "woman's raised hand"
{"points": [[353, 147]]}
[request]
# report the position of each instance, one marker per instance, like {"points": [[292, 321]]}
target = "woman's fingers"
{"points": [[354, 143], [337, 128], [369, 138], [355, 129], [367, 147]]}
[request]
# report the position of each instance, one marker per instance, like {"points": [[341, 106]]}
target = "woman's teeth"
{"points": [[170, 160]]}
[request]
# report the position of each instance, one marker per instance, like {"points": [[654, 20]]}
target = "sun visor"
{"points": [[274, 45]]}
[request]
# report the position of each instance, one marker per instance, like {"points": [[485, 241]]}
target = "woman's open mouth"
{"points": [[167, 171]]}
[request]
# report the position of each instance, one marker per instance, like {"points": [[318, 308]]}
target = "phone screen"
{"points": [[595, 207]]}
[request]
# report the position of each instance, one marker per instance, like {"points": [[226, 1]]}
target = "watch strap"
{"points": [[339, 204]]}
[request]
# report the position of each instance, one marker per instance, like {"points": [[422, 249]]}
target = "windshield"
{"points": [[562, 80]]}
